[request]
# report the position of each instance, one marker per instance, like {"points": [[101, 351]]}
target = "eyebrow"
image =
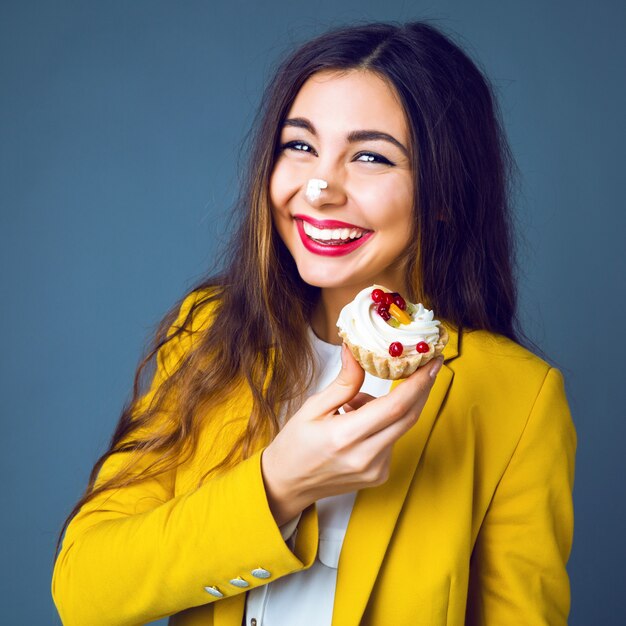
{"points": [[353, 137]]}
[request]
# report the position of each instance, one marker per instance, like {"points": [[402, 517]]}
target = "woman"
{"points": [[263, 477]]}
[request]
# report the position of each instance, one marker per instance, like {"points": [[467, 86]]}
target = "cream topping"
{"points": [[366, 328], [314, 188]]}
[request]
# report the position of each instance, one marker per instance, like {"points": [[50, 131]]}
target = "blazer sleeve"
{"points": [[517, 573], [140, 553]]}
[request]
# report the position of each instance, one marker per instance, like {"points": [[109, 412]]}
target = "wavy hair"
{"points": [[460, 264]]}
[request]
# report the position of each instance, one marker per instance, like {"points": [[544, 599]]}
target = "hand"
{"points": [[320, 453]]}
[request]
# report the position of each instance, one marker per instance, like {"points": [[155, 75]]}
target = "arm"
{"points": [[138, 553], [120, 566], [518, 573]]}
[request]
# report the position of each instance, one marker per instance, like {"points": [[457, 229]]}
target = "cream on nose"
{"points": [[314, 188]]}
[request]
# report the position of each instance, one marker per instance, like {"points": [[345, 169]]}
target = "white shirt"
{"points": [[307, 597]]}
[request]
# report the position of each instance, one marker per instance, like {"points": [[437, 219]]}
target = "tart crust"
{"points": [[395, 367]]}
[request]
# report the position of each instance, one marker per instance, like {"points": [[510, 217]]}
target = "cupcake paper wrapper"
{"points": [[394, 367]]}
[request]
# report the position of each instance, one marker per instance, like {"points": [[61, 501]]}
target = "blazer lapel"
{"points": [[376, 510]]}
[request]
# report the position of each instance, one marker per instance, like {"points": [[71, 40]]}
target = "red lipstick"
{"points": [[330, 249], [327, 223]]}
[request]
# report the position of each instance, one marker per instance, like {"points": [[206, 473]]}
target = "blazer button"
{"points": [[214, 591], [239, 582], [259, 572]]}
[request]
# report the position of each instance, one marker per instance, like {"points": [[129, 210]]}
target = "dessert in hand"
{"points": [[388, 336]]}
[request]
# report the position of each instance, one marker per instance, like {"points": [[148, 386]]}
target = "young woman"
{"points": [[263, 477]]}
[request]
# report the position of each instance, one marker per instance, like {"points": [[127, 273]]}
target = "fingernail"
{"points": [[435, 367]]}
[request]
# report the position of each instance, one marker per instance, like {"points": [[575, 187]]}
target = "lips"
{"points": [[330, 237], [327, 223]]}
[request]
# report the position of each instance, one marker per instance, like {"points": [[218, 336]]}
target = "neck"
{"points": [[327, 311]]}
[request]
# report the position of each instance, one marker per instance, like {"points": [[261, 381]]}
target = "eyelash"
{"points": [[376, 158]]}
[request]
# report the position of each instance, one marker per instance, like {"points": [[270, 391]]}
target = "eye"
{"points": [[298, 146], [372, 157]]}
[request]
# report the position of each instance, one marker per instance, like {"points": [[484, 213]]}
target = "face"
{"points": [[349, 130]]}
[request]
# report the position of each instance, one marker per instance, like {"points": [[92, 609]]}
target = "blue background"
{"points": [[120, 127]]}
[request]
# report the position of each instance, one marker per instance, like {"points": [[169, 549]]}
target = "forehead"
{"points": [[353, 99]]}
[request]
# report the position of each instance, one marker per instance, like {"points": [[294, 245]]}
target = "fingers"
{"points": [[407, 399], [361, 399], [386, 437], [342, 389]]}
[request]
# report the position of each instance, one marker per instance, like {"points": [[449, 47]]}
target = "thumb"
{"points": [[344, 387]]}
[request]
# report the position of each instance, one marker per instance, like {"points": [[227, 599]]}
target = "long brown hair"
{"points": [[460, 264]]}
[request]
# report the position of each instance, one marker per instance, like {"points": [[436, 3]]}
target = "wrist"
{"points": [[283, 502]]}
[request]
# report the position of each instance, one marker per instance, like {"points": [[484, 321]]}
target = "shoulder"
{"points": [[501, 383], [495, 361], [192, 315], [196, 309]]}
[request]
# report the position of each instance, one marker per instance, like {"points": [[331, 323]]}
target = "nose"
{"points": [[321, 192], [314, 188]]}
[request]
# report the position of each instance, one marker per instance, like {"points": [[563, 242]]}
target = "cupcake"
{"points": [[388, 336]]}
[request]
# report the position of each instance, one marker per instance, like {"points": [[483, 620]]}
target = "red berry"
{"points": [[384, 314], [396, 348], [422, 347], [387, 299], [377, 295], [399, 301], [382, 307]]}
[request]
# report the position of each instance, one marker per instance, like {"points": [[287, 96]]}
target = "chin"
{"points": [[321, 279], [333, 280], [322, 283]]}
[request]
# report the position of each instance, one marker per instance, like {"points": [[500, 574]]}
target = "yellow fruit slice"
{"points": [[398, 314]]}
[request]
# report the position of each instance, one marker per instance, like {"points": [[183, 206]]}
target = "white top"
{"points": [[307, 597]]}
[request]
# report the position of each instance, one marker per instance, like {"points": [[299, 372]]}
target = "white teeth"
{"points": [[328, 234]]}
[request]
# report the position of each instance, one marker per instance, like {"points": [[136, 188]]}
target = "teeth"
{"points": [[334, 234]]}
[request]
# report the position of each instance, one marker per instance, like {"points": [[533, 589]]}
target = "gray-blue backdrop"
{"points": [[119, 131]]}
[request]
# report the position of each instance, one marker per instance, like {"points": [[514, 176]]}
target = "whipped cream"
{"points": [[314, 188], [364, 327]]}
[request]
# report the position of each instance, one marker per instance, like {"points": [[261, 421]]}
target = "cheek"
{"points": [[283, 185], [390, 205]]}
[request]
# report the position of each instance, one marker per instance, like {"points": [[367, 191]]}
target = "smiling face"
{"points": [[348, 130]]}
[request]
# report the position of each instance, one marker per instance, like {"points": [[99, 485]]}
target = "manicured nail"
{"points": [[436, 366]]}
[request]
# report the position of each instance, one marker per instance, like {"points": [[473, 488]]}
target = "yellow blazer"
{"points": [[474, 525]]}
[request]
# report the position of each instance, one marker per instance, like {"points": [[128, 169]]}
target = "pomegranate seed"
{"points": [[396, 348], [384, 314], [422, 347], [399, 301], [387, 299], [382, 307], [377, 295]]}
